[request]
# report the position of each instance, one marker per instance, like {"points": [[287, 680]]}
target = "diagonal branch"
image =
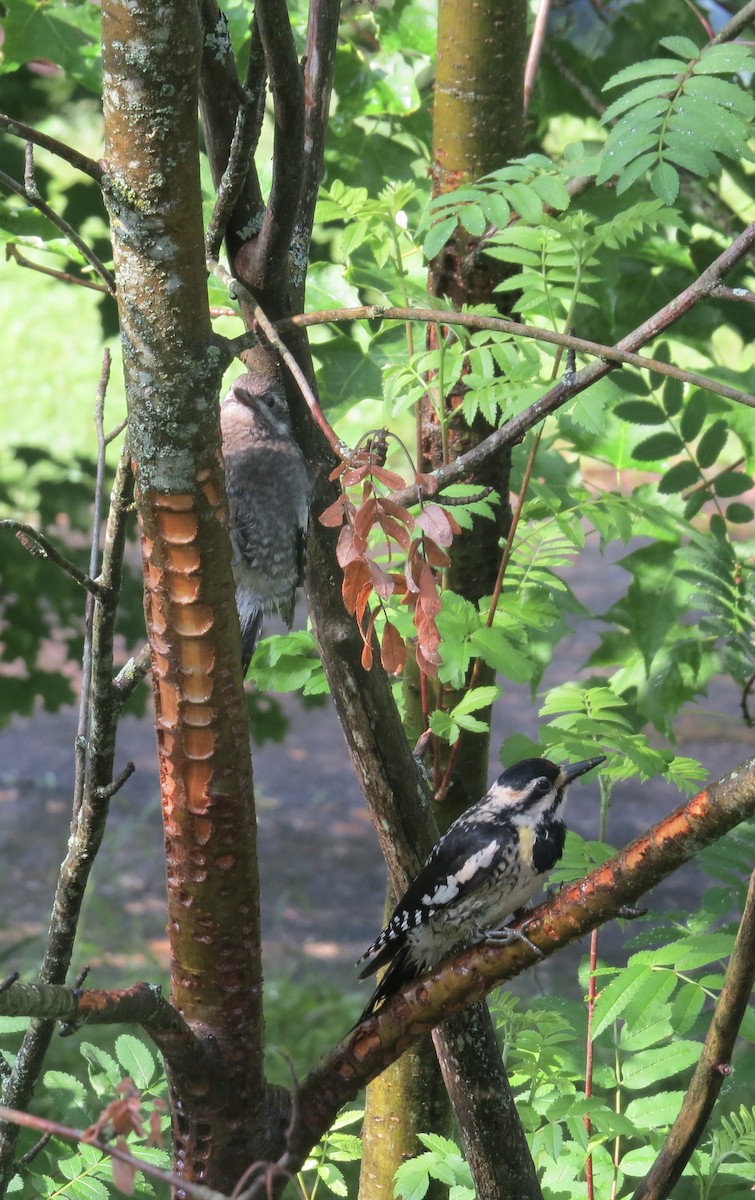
{"points": [[38, 545], [67, 230], [88, 166], [372, 1046], [714, 1065]]}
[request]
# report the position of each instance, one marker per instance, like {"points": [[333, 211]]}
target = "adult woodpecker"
{"points": [[488, 864]]}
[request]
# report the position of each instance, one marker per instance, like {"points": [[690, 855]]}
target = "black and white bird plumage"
{"points": [[487, 864], [268, 488]]}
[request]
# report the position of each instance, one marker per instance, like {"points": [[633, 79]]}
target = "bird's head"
{"points": [[257, 402], [536, 786]]}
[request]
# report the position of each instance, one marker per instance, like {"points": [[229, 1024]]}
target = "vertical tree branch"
{"points": [[88, 824], [714, 1065]]}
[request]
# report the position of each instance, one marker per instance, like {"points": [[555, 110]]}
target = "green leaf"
{"points": [[526, 202], [613, 999], [502, 655], [693, 417], [673, 396], [437, 237], [640, 412], [660, 1063], [472, 218], [739, 514], [664, 181], [136, 1059], [712, 443], [683, 46], [732, 483], [688, 1004], [679, 477], [659, 446]]}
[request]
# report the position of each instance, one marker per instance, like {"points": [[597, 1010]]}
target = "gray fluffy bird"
{"points": [[269, 490]]}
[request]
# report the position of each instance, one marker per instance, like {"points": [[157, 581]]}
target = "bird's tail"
{"points": [[398, 973], [250, 635]]}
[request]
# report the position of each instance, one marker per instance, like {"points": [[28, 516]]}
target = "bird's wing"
{"points": [[460, 864]]}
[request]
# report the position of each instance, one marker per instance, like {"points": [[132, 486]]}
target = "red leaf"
{"points": [[382, 581], [394, 529], [335, 512], [355, 577], [396, 510], [428, 590], [389, 478], [346, 551], [392, 649], [434, 555], [365, 519], [364, 594], [367, 656], [428, 483], [354, 475], [438, 524]]}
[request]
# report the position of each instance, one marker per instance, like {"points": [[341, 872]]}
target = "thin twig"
{"points": [[39, 546], [67, 230], [80, 161], [617, 354], [12, 252], [729, 293], [535, 50], [82, 727], [111, 789], [714, 1064], [53, 1129], [130, 676], [734, 27]]}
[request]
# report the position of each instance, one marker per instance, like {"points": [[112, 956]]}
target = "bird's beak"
{"points": [[571, 771]]}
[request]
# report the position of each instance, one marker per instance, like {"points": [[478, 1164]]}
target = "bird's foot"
{"points": [[499, 937]]}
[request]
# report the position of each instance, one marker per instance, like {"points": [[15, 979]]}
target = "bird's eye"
{"points": [[541, 786], [270, 399]]}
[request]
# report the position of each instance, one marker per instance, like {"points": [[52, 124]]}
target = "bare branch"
{"points": [[38, 545], [734, 27], [535, 50], [245, 137], [614, 355], [714, 1065], [12, 252], [130, 676], [67, 230], [319, 58], [197, 1191], [270, 250], [80, 161]]}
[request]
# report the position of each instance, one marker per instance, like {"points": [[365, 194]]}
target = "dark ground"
{"points": [[322, 873]]}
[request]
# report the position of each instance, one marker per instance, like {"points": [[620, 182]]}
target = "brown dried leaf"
{"points": [[355, 577], [367, 656], [365, 518], [396, 510], [434, 555], [389, 478], [346, 551], [381, 580], [124, 1173], [428, 483], [428, 591], [353, 475], [394, 529], [392, 649], [362, 599], [335, 512], [438, 524]]}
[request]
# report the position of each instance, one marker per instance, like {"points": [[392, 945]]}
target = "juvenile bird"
{"points": [[268, 489], [487, 865]]}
